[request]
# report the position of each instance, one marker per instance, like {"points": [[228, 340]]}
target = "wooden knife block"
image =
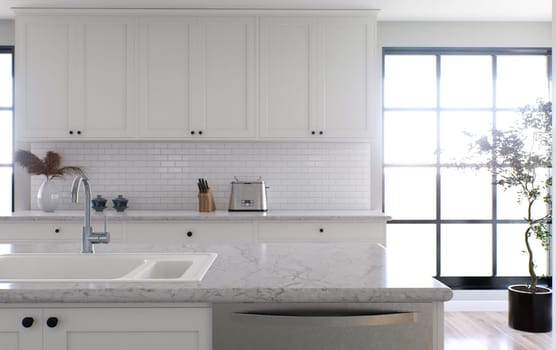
{"points": [[206, 202]]}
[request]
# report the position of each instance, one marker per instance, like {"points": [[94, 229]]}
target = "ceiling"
{"points": [[390, 10]]}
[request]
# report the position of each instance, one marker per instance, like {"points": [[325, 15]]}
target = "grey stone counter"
{"points": [[220, 215], [318, 272]]}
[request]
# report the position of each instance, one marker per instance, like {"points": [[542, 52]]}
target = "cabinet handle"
{"points": [[57, 230], [321, 230], [200, 132], [313, 132], [189, 234], [192, 132], [78, 132], [71, 132], [321, 132], [27, 322], [52, 322]]}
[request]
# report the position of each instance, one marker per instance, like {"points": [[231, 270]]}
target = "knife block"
{"points": [[206, 201]]}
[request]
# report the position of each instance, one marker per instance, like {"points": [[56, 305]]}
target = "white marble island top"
{"points": [[318, 272], [193, 215]]}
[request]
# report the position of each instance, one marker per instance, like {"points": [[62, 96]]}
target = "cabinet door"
{"points": [[43, 78], [315, 232], [186, 233], [224, 77], [127, 328], [20, 329], [288, 76], [165, 76], [346, 72], [106, 69], [38, 232]]}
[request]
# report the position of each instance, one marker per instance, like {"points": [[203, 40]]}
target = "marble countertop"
{"points": [[219, 215], [318, 272]]}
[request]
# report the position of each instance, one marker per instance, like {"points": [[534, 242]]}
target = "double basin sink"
{"points": [[125, 267]]}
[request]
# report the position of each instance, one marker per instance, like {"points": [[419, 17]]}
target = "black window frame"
{"points": [[461, 282]]}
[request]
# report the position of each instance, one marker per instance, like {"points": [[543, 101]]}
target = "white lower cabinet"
{"points": [[321, 232], [185, 233], [106, 328], [55, 232]]}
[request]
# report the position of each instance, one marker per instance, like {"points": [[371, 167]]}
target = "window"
{"points": [[6, 128], [454, 223]]}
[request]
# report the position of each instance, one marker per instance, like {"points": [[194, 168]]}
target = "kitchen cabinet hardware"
{"points": [[57, 230], [52, 322], [189, 234], [27, 322], [78, 132], [192, 132], [71, 132], [200, 132], [321, 230], [321, 132], [313, 132]]}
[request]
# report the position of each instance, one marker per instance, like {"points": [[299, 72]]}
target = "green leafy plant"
{"points": [[50, 166], [521, 159]]}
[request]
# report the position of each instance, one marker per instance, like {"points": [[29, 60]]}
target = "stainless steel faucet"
{"points": [[89, 237]]}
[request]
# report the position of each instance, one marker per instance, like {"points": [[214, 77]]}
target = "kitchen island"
{"points": [[266, 283]]}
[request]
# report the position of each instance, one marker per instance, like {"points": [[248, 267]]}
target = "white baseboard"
{"points": [[478, 300]]}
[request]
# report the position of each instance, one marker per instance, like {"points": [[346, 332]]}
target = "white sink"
{"points": [[126, 267]]}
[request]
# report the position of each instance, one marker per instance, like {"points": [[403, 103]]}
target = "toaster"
{"points": [[248, 195]]}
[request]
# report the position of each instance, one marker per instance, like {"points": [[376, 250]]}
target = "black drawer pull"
{"points": [[189, 234], [27, 322], [52, 322]]}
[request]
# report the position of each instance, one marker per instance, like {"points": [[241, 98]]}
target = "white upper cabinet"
{"points": [[74, 77], [204, 74], [318, 76], [198, 77], [288, 76]]}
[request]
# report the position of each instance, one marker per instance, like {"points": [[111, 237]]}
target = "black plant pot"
{"points": [[530, 312]]}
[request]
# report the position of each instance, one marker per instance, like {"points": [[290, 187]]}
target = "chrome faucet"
{"points": [[89, 237]]}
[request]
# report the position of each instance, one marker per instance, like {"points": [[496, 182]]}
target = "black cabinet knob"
{"points": [[200, 132], [313, 132], [192, 132], [52, 322], [71, 132], [57, 230], [321, 230], [27, 322], [189, 234], [321, 132], [78, 132]]}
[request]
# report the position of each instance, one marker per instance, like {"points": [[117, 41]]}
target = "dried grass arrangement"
{"points": [[50, 166]]}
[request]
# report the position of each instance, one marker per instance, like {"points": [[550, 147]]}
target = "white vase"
{"points": [[47, 197]]}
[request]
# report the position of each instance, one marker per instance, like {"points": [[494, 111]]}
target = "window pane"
{"points": [[6, 80], [466, 81], [415, 243], [511, 252], [521, 80], [455, 140], [466, 250], [409, 137], [5, 137], [5, 190], [466, 194], [410, 193], [409, 81]]}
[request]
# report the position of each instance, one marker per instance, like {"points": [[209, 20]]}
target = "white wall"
{"points": [[471, 34], [6, 32]]}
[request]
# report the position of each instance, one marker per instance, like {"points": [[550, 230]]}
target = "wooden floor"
{"points": [[490, 331]]}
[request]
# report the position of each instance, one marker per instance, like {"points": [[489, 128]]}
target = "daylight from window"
{"points": [[445, 213], [6, 129]]}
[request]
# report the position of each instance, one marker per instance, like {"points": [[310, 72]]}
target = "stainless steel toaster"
{"points": [[248, 195]]}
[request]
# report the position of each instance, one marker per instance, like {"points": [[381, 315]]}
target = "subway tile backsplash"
{"points": [[163, 175]]}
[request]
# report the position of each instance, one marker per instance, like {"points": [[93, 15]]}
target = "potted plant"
{"points": [[50, 167], [521, 159]]}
